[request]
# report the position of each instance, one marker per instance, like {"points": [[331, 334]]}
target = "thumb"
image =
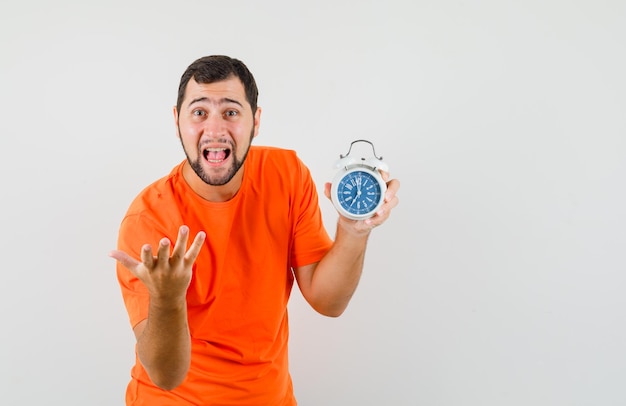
{"points": [[125, 259], [327, 189]]}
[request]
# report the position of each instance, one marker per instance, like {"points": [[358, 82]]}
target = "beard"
{"points": [[222, 179]]}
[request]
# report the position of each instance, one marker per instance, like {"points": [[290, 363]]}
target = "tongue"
{"points": [[216, 155]]}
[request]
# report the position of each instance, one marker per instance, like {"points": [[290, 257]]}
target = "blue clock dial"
{"points": [[359, 192]]}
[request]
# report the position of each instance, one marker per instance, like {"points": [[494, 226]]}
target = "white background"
{"points": [[499, 280]]}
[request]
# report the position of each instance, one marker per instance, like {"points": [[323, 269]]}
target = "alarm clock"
{"points": [[358, 189]]}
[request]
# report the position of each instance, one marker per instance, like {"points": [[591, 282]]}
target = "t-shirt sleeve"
{"points": [[310, 239]]}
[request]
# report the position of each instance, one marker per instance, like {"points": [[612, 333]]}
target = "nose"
{"points": [[214, 126]]}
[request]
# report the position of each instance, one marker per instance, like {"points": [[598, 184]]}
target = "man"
{"points": [[207, 255]]}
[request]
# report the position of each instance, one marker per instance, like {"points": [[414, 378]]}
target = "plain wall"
{"points": [[498, 280]]}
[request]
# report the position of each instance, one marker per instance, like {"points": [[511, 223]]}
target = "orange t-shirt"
{"points": [[242, 278]]}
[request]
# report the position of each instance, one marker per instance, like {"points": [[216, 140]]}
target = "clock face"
{"points": [[359, 193]]}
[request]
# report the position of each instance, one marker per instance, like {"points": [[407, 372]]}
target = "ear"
{"points": [[176, 121], [257, 121]]}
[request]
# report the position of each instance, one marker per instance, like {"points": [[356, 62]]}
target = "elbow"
{"points": [[167, 374], [332, 314], [330, 311], [328, 305], [167, 383], [168, 379], [167, 387]]}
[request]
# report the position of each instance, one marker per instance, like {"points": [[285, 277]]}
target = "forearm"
{"points": [[337, 275], [164, 345]]}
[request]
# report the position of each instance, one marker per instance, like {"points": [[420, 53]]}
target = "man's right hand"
{"points": [[166, 277]]}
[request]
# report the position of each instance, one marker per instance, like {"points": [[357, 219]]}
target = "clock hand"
{"points": [[358, 193]]}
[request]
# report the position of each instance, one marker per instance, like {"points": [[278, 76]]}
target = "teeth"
{"points": [[215, 150]]}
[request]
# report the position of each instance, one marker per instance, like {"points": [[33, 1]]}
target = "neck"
{"points": [[213, 193]]}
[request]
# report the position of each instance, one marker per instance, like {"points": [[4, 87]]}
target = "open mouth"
{"points": [[216, 155]]}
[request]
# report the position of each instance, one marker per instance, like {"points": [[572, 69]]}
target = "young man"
{"points": [[207, 255]]}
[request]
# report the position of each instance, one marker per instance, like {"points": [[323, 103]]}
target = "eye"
{"points": [[198, 113], [231, 113]]}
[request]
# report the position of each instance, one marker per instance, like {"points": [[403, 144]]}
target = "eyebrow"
{"points": [[223, 100]]}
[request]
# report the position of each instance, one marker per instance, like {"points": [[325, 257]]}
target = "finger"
{"points": [[384, 174], [383, 214], [392, 188], [327, 189], [125, 259], [181, 243], [385, 209], [163, 255], [370, 223], [146, 256], [196, 246], [377, 220], [393, 202], [379, 217]]}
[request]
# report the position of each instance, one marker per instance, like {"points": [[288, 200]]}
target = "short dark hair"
{"points": [[215, 68]]}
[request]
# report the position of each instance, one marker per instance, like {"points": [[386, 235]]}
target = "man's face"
{"points": [[216, 126]]}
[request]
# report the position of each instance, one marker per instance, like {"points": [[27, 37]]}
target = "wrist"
{"points": [[353, 228], [168, 303]]}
